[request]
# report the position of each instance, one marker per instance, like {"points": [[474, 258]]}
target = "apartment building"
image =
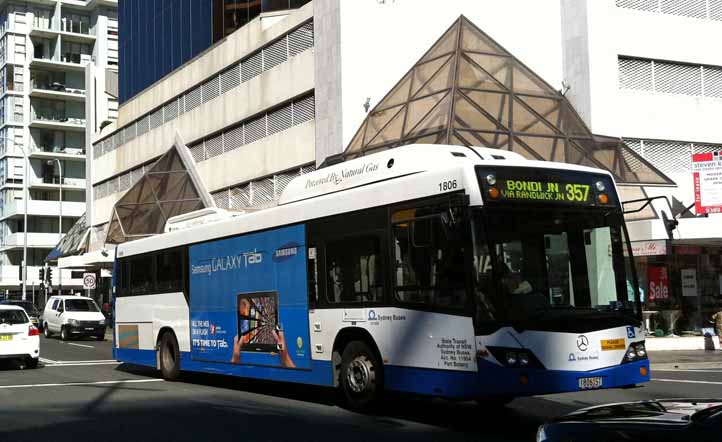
{"points": [[45, 48]]}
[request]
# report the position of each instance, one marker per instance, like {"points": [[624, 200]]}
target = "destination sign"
{"points": [[545, 191]]}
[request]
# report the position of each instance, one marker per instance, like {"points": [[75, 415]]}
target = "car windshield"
{"points": [[535, 260], [80, 305], [712, 411], [13, 317]]}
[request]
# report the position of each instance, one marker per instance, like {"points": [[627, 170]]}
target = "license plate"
{"points": [[6, 337], [89, 328], [590, 383]]}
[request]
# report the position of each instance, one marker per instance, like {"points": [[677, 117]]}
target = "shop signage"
{"points": [[689, 282], [658, 283], [649, 248], [687, 250], [707, 173]]}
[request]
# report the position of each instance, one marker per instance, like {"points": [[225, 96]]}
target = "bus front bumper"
{"points": [[498, 380]]}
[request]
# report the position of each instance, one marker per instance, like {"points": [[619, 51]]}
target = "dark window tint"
{"points": [[169, 268], [141, 274], [13, 317], [430, 260], [354, 270], [55, 304], [80, 305]]}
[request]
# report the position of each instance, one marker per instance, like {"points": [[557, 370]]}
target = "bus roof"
{"points": [[401, 174]]}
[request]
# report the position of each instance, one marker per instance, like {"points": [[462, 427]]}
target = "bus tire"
{"points": [[361, 379], [169, 357]]}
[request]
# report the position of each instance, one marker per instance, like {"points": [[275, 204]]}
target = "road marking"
{"points": [[83, 364], [80, 345], [685, 381], [47, 361], [74, 384]]}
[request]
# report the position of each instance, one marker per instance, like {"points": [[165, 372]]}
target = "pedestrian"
{"points": [[717, 318]]}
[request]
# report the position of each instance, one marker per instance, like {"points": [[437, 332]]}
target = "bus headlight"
{"points": [[511, 358], [640, 350], [600, 186], [631, 354], [491, 179], [523, 359]]}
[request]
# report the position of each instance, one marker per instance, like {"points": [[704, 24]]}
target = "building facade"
{"points": [[656, 81], [45, 47], [271, 89]]}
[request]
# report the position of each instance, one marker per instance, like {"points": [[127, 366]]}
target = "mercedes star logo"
{"points": [[582, 343]]}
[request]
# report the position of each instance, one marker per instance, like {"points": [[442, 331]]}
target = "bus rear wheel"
{"points": [[169, 357], [361, 377]]}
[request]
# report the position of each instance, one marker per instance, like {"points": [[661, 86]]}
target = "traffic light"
{"points": [[50, 275], [41, 274]]}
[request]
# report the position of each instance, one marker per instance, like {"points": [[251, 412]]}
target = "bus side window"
{"points": [[354, 270]]}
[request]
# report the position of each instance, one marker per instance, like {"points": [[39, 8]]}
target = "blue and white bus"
{"points": [[464, 273]]}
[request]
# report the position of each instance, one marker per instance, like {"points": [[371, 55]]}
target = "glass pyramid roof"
{"points": [[168, 188], [468, 90]]}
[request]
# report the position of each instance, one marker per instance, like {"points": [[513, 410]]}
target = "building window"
{"points": [[230, 15], [702, 9]]}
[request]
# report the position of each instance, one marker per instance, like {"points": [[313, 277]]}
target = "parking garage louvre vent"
{"points": [[231, 78], [255, 130], [686, 8], [280, 120], [211, 89], [635, 74], [303, 110], [124, 182], [198, 153], [143, 125], [156, 119], [642, 5], [300, 39], [240, 197], [252, 67], [214, 146], [170, 111], [233, 139], [275, 54], [221, 199], [675, 78], [712, 81], [193, 99], [715, 9]]}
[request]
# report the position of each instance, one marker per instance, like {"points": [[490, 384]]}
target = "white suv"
{"points": [[73, 316], [19, 338]]}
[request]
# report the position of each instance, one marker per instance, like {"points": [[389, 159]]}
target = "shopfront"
{"points": [[680, 283]]}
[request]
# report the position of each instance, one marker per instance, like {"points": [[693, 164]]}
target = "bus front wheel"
{"points": [[361, 377], [169, 357]]}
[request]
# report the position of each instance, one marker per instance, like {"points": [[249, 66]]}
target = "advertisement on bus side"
{"points": [[248, 300]]}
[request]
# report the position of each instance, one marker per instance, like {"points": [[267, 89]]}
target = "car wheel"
{"points": [[64, 333], [361, 376], [31, 362], [169, 357], [100, 337], [46, 331]]}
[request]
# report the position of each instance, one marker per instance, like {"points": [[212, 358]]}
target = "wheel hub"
{"points": [[359, 375]]}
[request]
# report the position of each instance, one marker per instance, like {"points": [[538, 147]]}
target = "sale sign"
{"points": [[707, 170], [658, 281]]}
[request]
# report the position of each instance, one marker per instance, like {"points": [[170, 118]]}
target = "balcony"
{"points": [[35, 240], [57, 120], [57, 90], [61, 153], [16, 209], [47, 63], [53, 182]]}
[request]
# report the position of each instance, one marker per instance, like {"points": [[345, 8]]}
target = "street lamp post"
{"points": [[60, 222]]}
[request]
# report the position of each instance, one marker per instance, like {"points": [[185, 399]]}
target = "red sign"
{"points": [[658, 283], [707, 171]]}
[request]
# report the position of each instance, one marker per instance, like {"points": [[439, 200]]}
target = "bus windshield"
{"points": [[534, 260]]}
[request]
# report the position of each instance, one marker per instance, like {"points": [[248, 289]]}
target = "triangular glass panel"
{"points": [[140, 219], [392, 130], [398, 95], [493, 103], [446, 44], [356, 144], [483, 139], [471, 77], [173, 186], [457, 141], [473, 39], [115, 233], [429, 139], [548, 108], [171, 209], [418, 109], [436, 120], [631, 193], [645, 172], [496, 66], [526, 122], [549, 148], [571, 124], [576, 154], [140, 192], [423, 73], [469, 116], [377, 120], [526, 81], [522, 149]]}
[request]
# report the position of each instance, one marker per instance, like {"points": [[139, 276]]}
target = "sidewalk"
{"points": [[685, 360], [681, 343]]}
